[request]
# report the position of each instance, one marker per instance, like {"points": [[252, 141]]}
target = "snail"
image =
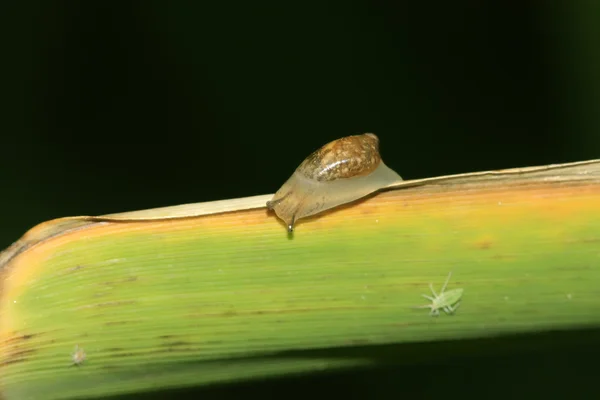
{"points": [[340, 172]]}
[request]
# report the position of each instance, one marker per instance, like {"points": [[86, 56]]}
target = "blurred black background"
{"points": [[112, 106], [116, 105]]}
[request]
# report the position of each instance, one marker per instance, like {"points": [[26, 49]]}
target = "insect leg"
{"points": [[456, 307], [447, 280], [450, 309], [426, 306], [428, 297], [432, 291]]}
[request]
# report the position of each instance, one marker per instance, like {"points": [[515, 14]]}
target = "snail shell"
{"points": [[342, 171]]}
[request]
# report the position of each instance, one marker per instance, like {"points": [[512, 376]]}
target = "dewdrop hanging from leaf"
{"points": [[340, 172]]}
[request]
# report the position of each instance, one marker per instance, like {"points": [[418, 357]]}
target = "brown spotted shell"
{"points": [[343, 158], [341, 171]]}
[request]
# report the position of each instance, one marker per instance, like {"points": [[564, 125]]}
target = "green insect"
{"points": [[448, 301]]}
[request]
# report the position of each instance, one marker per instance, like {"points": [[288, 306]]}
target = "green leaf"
{"points": [[217, 293]]}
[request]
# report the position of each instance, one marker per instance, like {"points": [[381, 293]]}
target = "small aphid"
{"points": [[444, 301], [78, 356], [340, 172]]}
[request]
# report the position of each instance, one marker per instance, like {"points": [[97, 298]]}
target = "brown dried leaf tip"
{"points": [[340, 172]]}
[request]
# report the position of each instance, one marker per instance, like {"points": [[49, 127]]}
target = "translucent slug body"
{"points": [[340, 172]]}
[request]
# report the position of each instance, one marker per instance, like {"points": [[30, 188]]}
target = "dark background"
{"points": [[117, 106]]}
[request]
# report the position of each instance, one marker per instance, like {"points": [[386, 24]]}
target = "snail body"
{"points": [[340, 172]]}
